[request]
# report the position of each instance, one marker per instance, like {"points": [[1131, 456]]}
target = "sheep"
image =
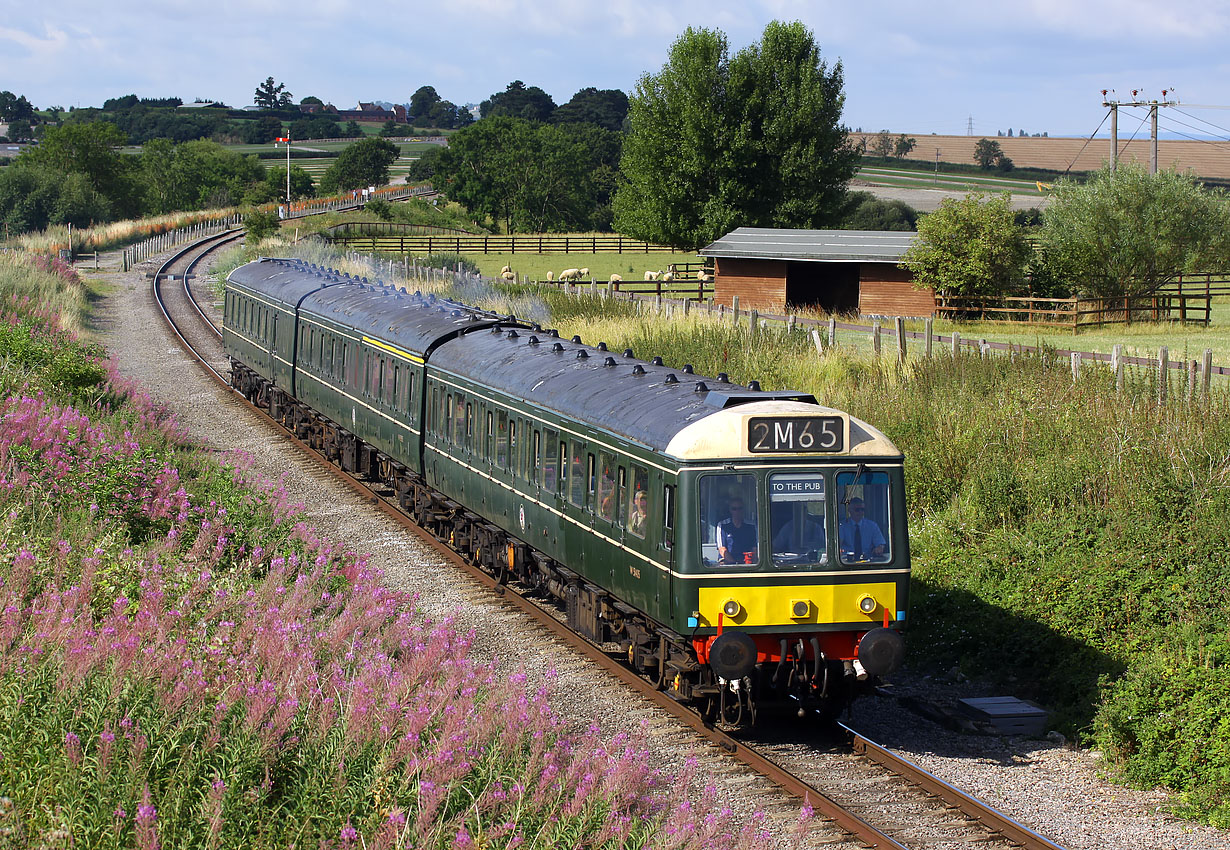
{"points": [[703, 276], [616, 278], [570, 274], [505, 270], [667, 276], [653, 275], [550, 276], [509, 276], [584, 272]]}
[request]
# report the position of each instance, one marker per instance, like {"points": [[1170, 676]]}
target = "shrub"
{"points": [[260, 224]]}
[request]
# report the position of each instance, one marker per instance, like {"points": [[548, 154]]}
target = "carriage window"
{"points": [[668, 516], [469, 426], [796, 518], [576, 474], [591, 483], [638, 501], [607, 504], [501, 440], [863, 517], [728, 514], [393, 396], [489, 438]]}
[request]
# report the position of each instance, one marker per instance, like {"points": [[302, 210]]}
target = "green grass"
{"points": [[601, 265], [966, 182]]}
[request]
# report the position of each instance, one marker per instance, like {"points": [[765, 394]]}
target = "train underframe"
{"points": [[788, 670]]}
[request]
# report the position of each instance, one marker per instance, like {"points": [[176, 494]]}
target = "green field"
{"points": [[915, 179], [601, 266]]}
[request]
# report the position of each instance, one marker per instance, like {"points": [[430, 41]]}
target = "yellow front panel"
{"points": [[772, 606]]}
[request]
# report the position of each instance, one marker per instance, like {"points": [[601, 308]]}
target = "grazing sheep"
{"points": [[667, 276], [508, 276], [570, 274], [653, 275], [550, 276], [703, 276], [616, 278], [584, 272], [505, 270]]}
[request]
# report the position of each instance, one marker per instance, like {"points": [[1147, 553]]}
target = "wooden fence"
{"points": [[1079, 314], [477, 244]]}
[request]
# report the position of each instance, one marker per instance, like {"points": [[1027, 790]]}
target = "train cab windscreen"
{"points": [[863, 520], [796, 514], [728, 512]]}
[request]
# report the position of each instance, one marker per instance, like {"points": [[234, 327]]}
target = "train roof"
{"points": [[284, 281]]}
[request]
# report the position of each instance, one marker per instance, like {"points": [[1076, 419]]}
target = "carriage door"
{"points": [[273, 348]]}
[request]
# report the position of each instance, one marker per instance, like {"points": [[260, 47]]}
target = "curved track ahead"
{"points": [[200, 336]]}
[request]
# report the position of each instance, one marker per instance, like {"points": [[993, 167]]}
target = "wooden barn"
{"points": [[837, 271]]}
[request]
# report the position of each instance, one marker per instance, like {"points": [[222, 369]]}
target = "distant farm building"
{"points": [[366, 112], [837, 271]]}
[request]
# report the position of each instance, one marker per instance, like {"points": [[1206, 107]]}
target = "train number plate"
{"points": [[796, 434]]}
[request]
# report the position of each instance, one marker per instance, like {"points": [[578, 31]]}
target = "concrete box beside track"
{"points": [[1009, 715]]}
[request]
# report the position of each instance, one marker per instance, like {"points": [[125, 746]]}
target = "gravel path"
{"points": [[1045, 785]]}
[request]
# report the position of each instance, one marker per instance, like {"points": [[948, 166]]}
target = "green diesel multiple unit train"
{"points": [[740, 546]]}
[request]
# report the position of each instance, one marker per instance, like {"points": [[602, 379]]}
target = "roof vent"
{"points": [[418, 293], [495, 329], [582, 354], [513, 334], [602, 346], [554, 333], [754, 386], [610, 361], [638, 369], [687, 369], [364, 280], [576, 338], [701, 387], [533, 340], [557, 348], [455, 313], [536, 328], [723, 378], [627, 352], [657, 361], [671, 379]]}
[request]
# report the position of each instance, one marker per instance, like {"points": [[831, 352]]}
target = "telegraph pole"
{"points": [[1113, 106]]}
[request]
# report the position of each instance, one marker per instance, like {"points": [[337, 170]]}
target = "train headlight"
{"points": [[732, 608], [800, 608], [867, 604]]}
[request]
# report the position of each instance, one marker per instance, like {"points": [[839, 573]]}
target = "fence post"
{"points": [[734, 306], [982, 348], [753, 319], [1076, 366], [1206, 368], [790, 324], [956, 343], [1116, 365], [930, 328], [687, 303], [832, 331], [815, 338], [1163, 363], [899, 327]]}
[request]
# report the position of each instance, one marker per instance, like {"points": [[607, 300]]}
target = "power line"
{"points": [[1202, 121], [1085, 145]]}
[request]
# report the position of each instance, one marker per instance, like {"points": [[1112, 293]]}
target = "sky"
{"points": [[913, 67]]}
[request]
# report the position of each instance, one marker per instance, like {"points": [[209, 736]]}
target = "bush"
{"points": [[259, 225], [970, 247]]}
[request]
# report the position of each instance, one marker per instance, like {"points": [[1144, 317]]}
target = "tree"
{"points": [[969, 247], [518, 101], [884, 144], [15, 107], [1128, 232], [864, 211], [903, 146], [607, 108], [270, 95], [988, 154], [424, 168], [364, 163], [312, 101], [421, 103], [261, 131], [20, 130], [754, 140], [90, 150]]}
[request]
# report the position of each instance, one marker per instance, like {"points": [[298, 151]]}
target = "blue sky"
{"points": [[909, 66]]}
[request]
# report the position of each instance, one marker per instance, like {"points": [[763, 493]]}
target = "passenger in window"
{"points": [[639, 513], [736, 538], [860, 538]]}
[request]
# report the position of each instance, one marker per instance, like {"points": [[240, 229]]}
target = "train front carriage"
{"points": [[792, 566]]}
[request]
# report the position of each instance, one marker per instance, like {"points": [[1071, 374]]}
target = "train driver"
{"points": [[860, 538], [736, 538]]}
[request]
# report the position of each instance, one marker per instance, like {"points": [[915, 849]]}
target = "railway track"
{"points": [[894, 804]]}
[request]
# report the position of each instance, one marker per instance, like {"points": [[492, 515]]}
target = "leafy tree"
{"points": [[311, 100], [20, 130], [364, 163], [421, 103], [969, 247], [195, 174], [987, 153], [754, 140], [34, 197], [520, 102], [118, 104], [90, 150], [392, 128], [424, 168], [1128, 232], [260, 224], [315, 127], [449, 116], [607, 108], [15, 107], [352, 130], [261, 131], [270, 95], [903, 146], [884, 144], [532, 176], [864, 211]]}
